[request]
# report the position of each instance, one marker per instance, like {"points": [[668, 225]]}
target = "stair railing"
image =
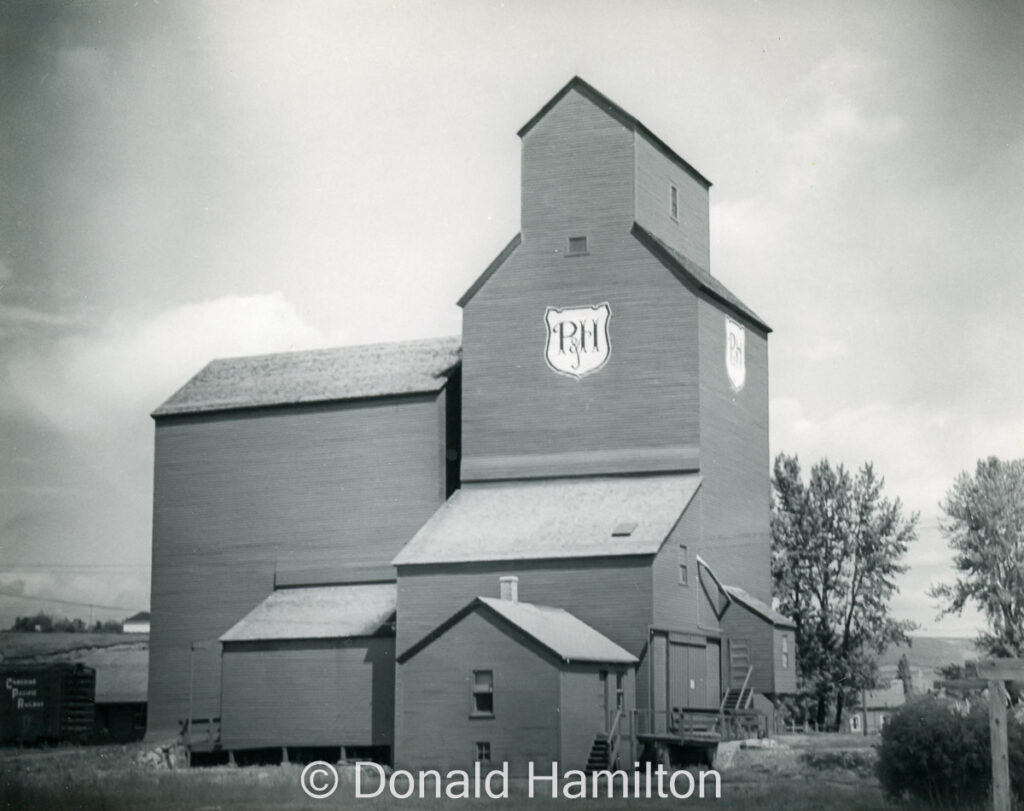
{"points": [[743, 689], [613, 739]]}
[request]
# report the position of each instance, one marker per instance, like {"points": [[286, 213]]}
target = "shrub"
{"points": [[932, 751]]}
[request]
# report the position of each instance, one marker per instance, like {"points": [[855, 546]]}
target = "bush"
{"points": [[932, 751]]}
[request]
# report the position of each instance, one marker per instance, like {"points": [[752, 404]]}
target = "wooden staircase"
{"points": [[738, 698], [600, 755]]}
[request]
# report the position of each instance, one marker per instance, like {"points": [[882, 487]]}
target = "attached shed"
{"points": [[762, 639], [508, 681], [312, 667]]}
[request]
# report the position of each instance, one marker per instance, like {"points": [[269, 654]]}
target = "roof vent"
{"points": [[624, 530], [510, 588]]}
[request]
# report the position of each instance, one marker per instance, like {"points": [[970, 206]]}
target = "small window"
{"points": [[785, 653], [620, 691], [483, 751], [577, 246], [684, 572], [673, 204], [855, 723], [483, 692]]}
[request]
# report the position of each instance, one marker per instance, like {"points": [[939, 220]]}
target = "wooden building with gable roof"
{"points": [[601, 435]]}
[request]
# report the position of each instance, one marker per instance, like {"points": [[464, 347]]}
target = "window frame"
{"points": [[586, 245], [683, 565], [476, 690], [482, 748], [673, 202]]}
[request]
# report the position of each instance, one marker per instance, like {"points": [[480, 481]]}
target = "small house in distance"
{"points": [[136, 624]]}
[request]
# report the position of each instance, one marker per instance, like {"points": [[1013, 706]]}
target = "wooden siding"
{"points": [[519, 417], [577, 175], [735, 465], [655, 175], [676, 607], [336, 692], [713, 674], [237, 493], [742, 624], [612, 595], [434, 727], [587, 705]]}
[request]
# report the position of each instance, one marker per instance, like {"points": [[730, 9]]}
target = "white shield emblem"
{"points": [[735, 353], [578, 341]]}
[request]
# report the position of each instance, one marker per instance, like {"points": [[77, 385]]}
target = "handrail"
{"points": [[613, 739], [746, 681]]}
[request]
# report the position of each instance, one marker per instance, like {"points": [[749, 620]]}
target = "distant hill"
{"points": [[931, 652], [29, 645]]}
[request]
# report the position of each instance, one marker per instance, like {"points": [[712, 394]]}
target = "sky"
{"points": [[187, 180]]}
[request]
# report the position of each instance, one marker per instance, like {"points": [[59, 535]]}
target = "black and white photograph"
{"points": [[510, 403]]}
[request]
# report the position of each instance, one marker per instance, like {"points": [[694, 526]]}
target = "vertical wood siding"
{"points": [[309, 693], [342, 484], [741, 623], [587, 704], [436, 729], [713, 675], [578, 172], [655, 174], [735, 494]]}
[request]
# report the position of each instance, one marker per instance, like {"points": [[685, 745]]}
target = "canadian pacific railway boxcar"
{"points": [[50, 703], [331, 527]]}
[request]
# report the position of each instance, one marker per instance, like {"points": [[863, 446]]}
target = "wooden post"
{"points": [[1000, 756], [998, 671]]}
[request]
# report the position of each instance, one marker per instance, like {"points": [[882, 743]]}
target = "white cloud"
{"points": [[123, 369]]}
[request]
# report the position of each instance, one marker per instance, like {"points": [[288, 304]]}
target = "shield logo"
{"points": [[735, 354], [578, 340]]}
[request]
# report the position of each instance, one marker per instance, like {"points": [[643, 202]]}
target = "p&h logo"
{"points": [[578, 340]]}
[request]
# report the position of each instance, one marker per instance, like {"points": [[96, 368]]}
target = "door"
{"points": [[713, 674], [739, 662]]}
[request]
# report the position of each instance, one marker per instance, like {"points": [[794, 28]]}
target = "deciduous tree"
{"points": [[985, 528], [837, 547]]}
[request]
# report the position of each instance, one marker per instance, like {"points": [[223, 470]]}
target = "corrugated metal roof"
{"points": [[343, 373], [552, 518], [759, 607], [560, 632], [321, 612]]}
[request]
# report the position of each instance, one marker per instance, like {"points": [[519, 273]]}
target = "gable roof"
{"points": [[491, 269], [317, 375], [885, 697], [552, 518], [760, 608], [318, 612], [694, 275], [561, 633], [619, 114], [142, 616]]}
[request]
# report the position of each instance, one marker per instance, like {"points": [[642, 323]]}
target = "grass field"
{"points": [[810, 772]]}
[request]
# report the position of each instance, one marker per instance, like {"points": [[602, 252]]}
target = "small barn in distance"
{"points": [[136, 623]]}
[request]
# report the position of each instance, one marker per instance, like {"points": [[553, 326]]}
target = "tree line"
{"points": [[46, 623], [838, 545]]}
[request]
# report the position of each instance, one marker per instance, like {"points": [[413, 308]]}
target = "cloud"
{"points": [[126, 366], [5, 271]]}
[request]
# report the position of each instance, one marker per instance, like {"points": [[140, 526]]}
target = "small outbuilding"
{"points": [[136, 624], [508, 681], [313, 667]]}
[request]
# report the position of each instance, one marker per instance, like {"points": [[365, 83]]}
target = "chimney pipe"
{"points": [[510, 588]]}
